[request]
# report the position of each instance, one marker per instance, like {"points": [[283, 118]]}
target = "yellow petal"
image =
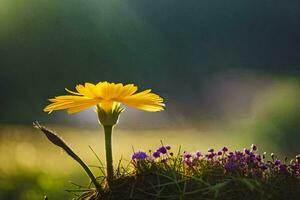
{"points": [[63, 103], [145, 101], [92, 89], [76, 93], [79, 108], [85, 92]]}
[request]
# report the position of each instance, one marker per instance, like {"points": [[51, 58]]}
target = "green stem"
{"points": [[108, 149]]}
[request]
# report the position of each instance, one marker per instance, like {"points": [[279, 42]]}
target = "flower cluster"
{"points": [[162, 153], [248, 163], [245, 163], [140, 155], [191, 159]]}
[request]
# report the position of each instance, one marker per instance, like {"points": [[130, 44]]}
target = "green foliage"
{"points": [[163, 181]]}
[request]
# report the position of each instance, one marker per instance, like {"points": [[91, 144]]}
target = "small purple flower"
{"points": [[230, 166], [225, 149], [187, 155], [239, 154], [258, 158], [253, 147], [210, 156], [220, 153], [156, 154], [264, 167], [277, 162], [168, 147], [162, 150], [296, 167], [198, 154], [282, 168], [247, 151], [189, 163], [210, 150], [139, 155], [252, 156]]}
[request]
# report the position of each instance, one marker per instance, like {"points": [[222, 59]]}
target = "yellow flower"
{"points": [[107, 96]]}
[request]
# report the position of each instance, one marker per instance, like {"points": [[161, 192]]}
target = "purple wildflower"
{"points": [[230, 166], [139, 155], [238, 154], [296, 167], [224, 149], [252, 156], [264, 167], [258, 158], [187, 155], [162, 150], [188, 162], [210, 150], [282, 168], [156, 154], [247, 151], [277, 162], [198, 154], [168, 147], [210, 156], [220, 153]]}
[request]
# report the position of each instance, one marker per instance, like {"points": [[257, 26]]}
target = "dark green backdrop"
{"points": [[176, 47]]}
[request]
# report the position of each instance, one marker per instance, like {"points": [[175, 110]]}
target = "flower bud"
{"points": [[253, 147], [111, 117], [225, 149]]}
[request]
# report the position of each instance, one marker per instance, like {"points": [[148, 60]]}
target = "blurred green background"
{"points": [[228, 70]]}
